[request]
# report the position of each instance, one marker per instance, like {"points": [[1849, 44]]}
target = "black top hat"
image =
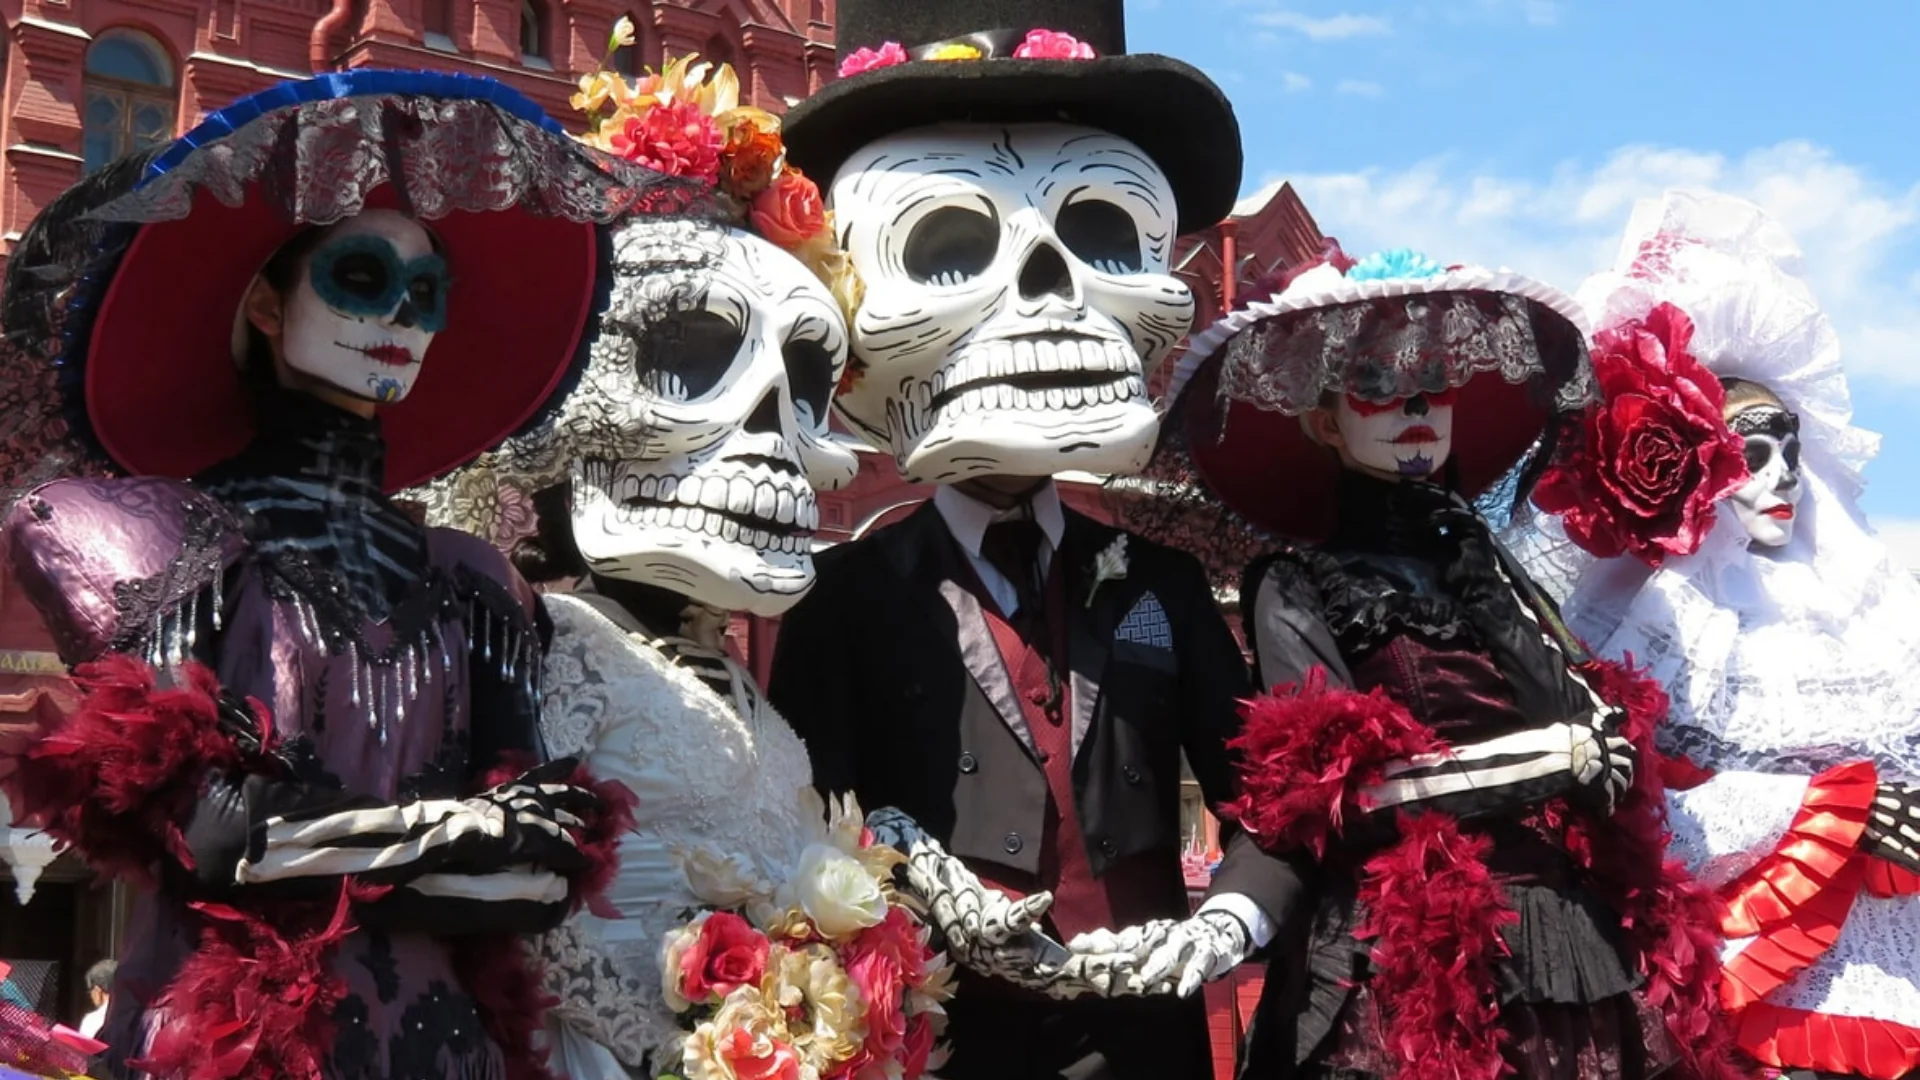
{"points": [[1169, 109]]}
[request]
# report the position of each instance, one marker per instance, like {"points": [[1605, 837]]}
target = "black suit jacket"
{"points": [[888, 671]]}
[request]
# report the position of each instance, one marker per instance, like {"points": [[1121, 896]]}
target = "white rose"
{"points": [[836, 892]]}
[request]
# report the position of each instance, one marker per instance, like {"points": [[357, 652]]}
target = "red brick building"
{"points": [[86, 80]]}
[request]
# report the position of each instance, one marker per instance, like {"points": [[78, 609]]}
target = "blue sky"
{"points": [[1519, 132]]}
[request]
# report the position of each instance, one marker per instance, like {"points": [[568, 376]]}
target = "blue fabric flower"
{"points": [[1398, 263]]}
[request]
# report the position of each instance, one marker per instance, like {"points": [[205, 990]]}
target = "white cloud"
{"points": [[1359, 88], [1902, 537], [1329, 28], [1861, 235], [1295, 83]]}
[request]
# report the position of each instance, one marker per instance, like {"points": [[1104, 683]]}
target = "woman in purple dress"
{"points": [[310, 724]]}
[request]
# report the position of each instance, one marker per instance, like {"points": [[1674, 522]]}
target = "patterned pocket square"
{"points": [[1146, 625]]}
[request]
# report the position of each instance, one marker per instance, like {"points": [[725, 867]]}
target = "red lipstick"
{"points": [[1419, 433], [391, 355], [1783, 512]]}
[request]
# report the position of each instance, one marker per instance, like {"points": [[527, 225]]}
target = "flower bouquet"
{"points": [[828, 975]]}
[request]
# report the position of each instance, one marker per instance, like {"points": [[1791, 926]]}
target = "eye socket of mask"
{"points": [[1364, 407]]}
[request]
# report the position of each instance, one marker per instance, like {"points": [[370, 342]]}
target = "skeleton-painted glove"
{"points": [[984, 929], [525, 823], [1893, 825], [1165, 956], [1586, 759]]}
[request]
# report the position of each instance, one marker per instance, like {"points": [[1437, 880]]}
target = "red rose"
{"points": [[790, 212], [729, 954], [1655, 455], [751, 1059], [676, 139]]}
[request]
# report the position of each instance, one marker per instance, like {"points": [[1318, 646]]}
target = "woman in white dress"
{"points": [[1786, 635]]}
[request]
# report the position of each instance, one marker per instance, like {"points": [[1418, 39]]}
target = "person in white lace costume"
{"points": [[1783, 659]]}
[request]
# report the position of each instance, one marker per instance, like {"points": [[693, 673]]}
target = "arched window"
{"points": [[130, 102], [817, 11], [533, 31], [438, 23], [718, 51], [632, 60]]}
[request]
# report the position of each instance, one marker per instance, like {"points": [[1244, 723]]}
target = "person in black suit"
{"points": [[1019, 680]]}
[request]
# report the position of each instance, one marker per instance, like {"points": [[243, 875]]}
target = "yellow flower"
{"points": [[600, 89], [684, 80], [825, 1017], [788, 924], [955, 51]]}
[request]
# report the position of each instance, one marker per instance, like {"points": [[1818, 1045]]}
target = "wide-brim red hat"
{"points": [[1511, 349], [143, 334]]}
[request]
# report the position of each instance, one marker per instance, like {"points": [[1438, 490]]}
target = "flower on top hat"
{"points": [[1394, 264], [1037, 45], [687, 121]]}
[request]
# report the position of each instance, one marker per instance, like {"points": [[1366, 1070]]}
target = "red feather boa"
{"points": [[504, 979], [1307, 752], [1434, 913], [117, 776]]}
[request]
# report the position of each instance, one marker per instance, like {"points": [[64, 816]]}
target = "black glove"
{"points": [[1893, 825]]}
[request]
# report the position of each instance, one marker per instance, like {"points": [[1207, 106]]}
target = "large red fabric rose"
{"points": [[729, 954], [1655, 455], [676, 139]]}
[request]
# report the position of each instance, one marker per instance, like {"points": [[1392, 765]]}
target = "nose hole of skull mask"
{"points": [[765, 417], [1046, 274]]}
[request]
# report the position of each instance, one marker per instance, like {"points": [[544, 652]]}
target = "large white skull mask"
{"points": [[1016, 290], [699, 443]]}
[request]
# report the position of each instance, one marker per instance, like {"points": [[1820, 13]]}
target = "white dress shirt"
{"points": [[967, 519]]}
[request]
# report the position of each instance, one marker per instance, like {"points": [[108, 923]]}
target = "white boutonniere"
{"points": [[1109, 565]]}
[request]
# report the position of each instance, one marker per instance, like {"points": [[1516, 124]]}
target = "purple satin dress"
{"points": [[406, 696]]}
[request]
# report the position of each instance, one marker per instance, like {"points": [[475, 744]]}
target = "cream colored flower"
{"points": [[622, 35], [935, 988], [722, 879], [712, 1051], [836, 891], [845, 824], [825, 1016], [673, 947]]}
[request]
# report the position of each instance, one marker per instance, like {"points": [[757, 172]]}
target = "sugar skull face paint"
{"points": [[1411, 437], [368, 302], [1767, 504]]}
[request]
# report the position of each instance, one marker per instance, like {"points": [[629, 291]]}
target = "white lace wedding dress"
{"points": [[723, 784]]}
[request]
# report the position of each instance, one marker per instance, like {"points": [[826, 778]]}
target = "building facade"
{"points": [[88, 80]]}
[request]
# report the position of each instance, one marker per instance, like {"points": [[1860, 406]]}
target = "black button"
{"points": [[1131, 775], [969, 764], [1013, 843], [1109, 848]]}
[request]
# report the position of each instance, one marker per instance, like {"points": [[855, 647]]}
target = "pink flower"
{"points": [[899, 940], [791, 212], [917, 1048], [883, 987], [865, 60], [1052, 45], [677, 139]]}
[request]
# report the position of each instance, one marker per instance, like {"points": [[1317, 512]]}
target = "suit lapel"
{"points": [[931, 555], [1089, 625]]}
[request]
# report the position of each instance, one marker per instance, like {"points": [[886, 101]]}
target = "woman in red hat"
{"points": [[309, 727]]}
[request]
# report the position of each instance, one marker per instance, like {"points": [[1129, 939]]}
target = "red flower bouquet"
{"points": [[1655, 456]]}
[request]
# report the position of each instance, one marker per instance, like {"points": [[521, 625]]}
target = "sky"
{"points": [[1519, 133]]}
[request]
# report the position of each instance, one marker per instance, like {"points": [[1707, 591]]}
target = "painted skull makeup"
{"points": [[705, 417], [1411, 437], [1767, 504], [369, 299], [1016, 291]]}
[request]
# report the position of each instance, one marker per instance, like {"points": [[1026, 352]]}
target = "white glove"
{"points": [[1159, 957]]}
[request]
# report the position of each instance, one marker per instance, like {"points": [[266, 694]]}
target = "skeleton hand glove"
{"points": [[523, 823], [1587, 759], [1159, 957], [984, 928], [1893, 825]]}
